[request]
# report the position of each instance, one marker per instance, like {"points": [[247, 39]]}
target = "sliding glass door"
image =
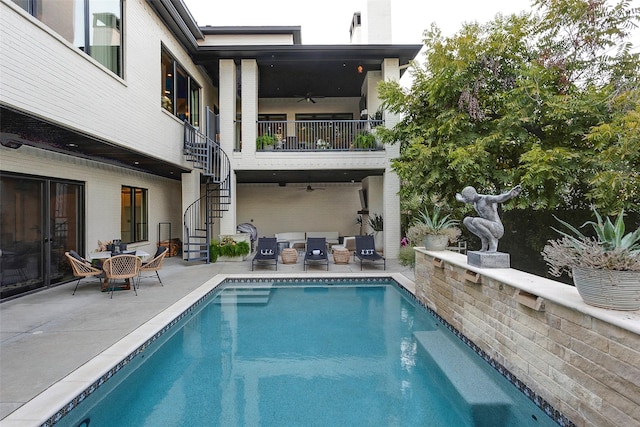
{"points": [[40, 219]]}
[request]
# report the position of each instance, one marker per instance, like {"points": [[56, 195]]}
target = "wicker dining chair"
{"points": [[122, 267], [81, 268], [154, 264]]}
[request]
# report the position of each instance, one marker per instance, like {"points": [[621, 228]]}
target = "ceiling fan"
{"points": [[309, 98]]}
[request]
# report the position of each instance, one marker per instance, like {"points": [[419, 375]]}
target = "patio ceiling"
{"points": [[17, 128], [304, 176]]}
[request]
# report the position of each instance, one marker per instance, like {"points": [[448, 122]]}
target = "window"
{"points": [[94, 26], [180, 94], [134, 215]]}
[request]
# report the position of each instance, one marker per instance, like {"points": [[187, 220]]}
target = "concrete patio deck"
{"points": [[47, 335]]}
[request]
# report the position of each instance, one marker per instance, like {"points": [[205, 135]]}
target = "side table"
{"points": [[289, 256], [341, 255]]}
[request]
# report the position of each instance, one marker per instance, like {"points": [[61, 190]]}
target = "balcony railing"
{"points": [[317, 135]]}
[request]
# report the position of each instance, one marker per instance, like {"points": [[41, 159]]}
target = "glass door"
{"points": [[65, 228], [40, 219]]}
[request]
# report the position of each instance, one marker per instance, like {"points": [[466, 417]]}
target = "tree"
{"points": [[545, 100]]}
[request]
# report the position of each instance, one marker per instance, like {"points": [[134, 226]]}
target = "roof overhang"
{"points": [[294, 31], [288, 71], [18, 128]]}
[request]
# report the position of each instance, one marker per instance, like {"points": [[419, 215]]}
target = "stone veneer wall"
{"points": [[582, 360]]}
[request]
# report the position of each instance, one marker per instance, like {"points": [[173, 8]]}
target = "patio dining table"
{"points": [[97, 256]]}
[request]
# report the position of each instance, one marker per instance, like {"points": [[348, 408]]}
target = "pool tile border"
{"points": [[540, 402]]}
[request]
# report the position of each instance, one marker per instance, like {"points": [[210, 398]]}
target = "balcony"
{"points": [[318, 135]]}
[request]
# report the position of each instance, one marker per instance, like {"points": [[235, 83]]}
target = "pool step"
{"points": [[488, 403], [244, 296]]}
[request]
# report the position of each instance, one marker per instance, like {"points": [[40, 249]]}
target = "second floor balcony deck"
{"points": [[317, 135]]}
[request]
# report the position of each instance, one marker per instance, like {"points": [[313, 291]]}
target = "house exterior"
{"points": [[116, 118]]}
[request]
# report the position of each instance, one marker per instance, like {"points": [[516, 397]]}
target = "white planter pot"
{"points": [[378, 239], [616, 290], [436, 242]]}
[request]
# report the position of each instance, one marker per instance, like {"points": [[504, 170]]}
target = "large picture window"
{"points": [[94, 26], [180, 94], [134, 215]]}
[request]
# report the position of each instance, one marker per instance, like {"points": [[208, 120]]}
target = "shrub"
{"points": [[407, 256], [228, 247]]}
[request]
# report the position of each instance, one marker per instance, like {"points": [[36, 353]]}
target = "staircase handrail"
{"points": [[216, 167]]}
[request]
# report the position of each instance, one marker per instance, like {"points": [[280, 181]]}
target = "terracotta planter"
{"points": [[436, 242], [616, 290]]}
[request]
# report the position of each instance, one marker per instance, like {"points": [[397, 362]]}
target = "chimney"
{"points": [[373, 24]]}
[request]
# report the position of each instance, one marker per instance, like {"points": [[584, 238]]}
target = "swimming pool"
{"points": [[306, 352]]}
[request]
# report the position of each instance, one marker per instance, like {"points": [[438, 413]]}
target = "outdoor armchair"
{"points": [[81, 267], [122, 267], [154, 264]]}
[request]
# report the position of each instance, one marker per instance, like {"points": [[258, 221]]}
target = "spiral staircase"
{"points": [[206, 155]]}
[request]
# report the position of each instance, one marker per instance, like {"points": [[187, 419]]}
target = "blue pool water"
{"points": [[308, 354]]}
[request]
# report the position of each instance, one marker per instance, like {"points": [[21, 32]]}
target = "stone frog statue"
{"points": [[488, 225]]}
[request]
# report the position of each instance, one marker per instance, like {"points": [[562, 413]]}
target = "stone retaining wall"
{"points": [[583, 360]]}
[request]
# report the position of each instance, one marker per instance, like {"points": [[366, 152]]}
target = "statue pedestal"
{"points": [[488, 259]]}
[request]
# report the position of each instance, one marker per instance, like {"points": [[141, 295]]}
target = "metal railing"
{"points": [[315, 135], [207, 155]]}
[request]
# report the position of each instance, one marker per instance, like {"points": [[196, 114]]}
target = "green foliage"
{"points": [[407, 256], [547, 100], [228, 247], [609, 235], [365, 140], [265, 140], [435, 222], [376, 222], [610, 249]]}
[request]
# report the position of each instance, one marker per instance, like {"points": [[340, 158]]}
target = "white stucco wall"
{"points": [[102, 192], [274, 209]]}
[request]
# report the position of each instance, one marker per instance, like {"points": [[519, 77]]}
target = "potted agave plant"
{"points": [[605, 268], [434, 230]]}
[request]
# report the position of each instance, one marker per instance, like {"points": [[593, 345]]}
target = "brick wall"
{"points": [[582, 360]]}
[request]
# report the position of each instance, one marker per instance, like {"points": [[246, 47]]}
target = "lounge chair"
{"points": [[122, 267], [267, 251], [366, 251], [316, 251], [154, 264], [81, 267]]}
